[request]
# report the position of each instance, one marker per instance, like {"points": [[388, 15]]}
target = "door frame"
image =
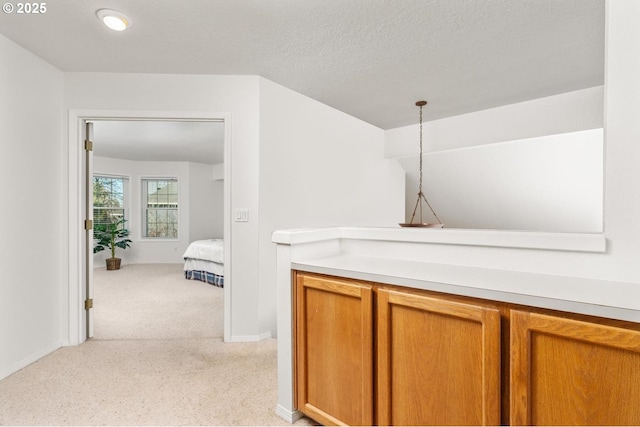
{"points": [[76, 321]]}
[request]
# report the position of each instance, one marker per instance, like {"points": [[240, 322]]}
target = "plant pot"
{"points": [[113, 263]]}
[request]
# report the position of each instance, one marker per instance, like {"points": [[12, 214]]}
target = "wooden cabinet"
{"points": [[438, 361], [570, 372], [334, 350], [368, 354]]}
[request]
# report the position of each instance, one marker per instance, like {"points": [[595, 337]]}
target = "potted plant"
{"points": [[112, 235]]}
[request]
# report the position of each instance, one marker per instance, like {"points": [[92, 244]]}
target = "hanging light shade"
{"points": [[421, 196]]}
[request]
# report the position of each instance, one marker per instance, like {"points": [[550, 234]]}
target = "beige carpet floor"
{"points": [[157, 358]]}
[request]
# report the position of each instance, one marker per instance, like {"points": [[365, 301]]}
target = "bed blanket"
{"points": [[210, 250], [205, 276]]}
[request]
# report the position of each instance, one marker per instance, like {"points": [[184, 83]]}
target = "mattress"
{"points": [[209, 250]]}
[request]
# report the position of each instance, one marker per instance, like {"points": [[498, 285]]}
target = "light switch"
{"points": [[242, 215]]}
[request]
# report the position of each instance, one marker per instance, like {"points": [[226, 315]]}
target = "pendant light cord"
{"points": [[421, 195], [420, 188]]}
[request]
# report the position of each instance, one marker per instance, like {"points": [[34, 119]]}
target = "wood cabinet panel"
{"points": [[438, 361], [570, 372], [441, 359], [334, 356]]}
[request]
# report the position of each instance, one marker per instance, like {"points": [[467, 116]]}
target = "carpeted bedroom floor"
{"points": [[157, 358]]}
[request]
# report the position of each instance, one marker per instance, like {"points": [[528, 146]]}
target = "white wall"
{"points": [[32, 260], [622, 133], [318, 167], [200, 212], [502, 168], [621, 180], [567, 112], [551, 183], [206, 203], [236, 96], [218, 172], [355, 186]]}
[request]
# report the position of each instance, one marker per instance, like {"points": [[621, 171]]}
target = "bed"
{"points": [[204, 261]]}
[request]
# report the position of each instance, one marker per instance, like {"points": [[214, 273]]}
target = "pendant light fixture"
{"points": [[421, 195]]}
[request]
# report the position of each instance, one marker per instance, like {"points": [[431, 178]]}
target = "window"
{"points": [[108, 199], [160, 208]]}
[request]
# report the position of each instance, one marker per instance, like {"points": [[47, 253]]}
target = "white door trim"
{"points": [[76, 331], [88, 208]]}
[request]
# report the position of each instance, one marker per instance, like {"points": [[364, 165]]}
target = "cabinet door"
{"points": [[438, 361], [569, 372], [334, 350]]}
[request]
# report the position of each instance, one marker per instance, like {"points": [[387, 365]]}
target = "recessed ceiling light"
{"points": [[113, 19]]}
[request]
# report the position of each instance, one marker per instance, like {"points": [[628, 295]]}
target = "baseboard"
{"points": [[12, 369], [251, 338], [290, 416], [264, 336]]}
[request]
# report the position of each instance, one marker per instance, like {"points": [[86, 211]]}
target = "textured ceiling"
{"points": [[370, 58]]}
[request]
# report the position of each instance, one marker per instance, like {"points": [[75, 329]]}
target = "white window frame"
{"points": [[144, 207], [125, 193]]}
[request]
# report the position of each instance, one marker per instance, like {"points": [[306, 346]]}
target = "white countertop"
{"points": [[573, 294], [585, 295]]}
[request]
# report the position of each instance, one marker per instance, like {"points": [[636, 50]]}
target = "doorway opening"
{"points": [[139, 140]]}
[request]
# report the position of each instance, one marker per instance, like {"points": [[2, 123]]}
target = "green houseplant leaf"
{"points": [[111, 236]]}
